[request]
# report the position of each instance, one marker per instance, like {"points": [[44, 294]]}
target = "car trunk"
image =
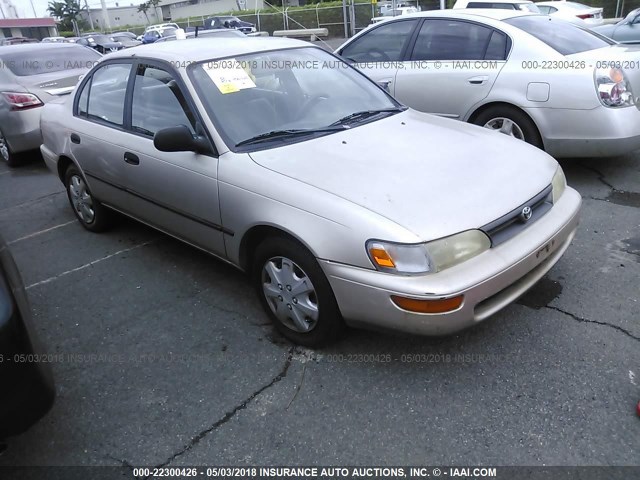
{"points": [[48, 86], [626, 57]]}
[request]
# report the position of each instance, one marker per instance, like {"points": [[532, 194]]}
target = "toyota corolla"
{"points": [[342, 205]]}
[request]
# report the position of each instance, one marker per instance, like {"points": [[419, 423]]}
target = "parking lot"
{"points": [[162, 355]]}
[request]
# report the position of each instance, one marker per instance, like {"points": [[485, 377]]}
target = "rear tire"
{"points": [[91, 214], [510, 121], [295, 293], [5, 152]]}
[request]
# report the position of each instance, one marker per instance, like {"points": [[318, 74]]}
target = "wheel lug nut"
{"points": [[280, 297], [280, 286], [289, 306], [289, 287], [295, 301]]}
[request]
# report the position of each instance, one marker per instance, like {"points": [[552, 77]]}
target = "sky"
{"points": [[24, 6]]}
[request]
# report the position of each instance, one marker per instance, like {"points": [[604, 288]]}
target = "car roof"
{"points": [[493, 13], [500, 1], [39, 46], [201, 49]]}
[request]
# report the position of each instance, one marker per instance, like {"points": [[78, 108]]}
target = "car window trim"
{"points": [[170, 69], [508, 46], [405, 47], [89, 78]]}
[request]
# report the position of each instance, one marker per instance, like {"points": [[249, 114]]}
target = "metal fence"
{"points": [[340, 21]]}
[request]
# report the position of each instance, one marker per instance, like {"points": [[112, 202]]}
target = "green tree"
{"points": [[66, 12], [144, 8]]}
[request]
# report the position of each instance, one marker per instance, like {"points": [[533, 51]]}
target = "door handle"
{"points": [[131, 159], [75, 138], [479, 80]]}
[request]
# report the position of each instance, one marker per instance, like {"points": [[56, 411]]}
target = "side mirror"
{"points": [[180, 139]]}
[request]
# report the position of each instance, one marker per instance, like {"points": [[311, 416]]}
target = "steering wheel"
{"points": [[376, 52], [311, 102]]}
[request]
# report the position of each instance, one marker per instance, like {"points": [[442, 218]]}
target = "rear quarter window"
{"points": [[564, 37]]}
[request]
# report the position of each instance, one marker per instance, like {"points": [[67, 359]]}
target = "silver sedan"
{"points": [[31, 75], [342, 205], [560, 87]]}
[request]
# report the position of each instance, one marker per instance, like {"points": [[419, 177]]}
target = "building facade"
{"points": [[168, 10], [38, 28]]}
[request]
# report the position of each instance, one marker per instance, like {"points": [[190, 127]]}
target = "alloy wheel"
{"points": [[506, 126]]}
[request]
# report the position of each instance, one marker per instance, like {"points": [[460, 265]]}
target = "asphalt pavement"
{"points": [[162, 355]]}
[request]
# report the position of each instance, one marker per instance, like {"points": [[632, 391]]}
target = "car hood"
{"points": [[605, 29], [431, 175], [242, 23]]}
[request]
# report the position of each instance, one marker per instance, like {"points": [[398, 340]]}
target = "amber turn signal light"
{"points": [[442, 305]]}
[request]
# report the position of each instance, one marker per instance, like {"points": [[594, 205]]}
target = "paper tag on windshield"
{"points": [[229, 76]]}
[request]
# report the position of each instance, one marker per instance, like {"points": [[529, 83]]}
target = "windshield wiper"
{"points": [[365, 114], [275, 134]]}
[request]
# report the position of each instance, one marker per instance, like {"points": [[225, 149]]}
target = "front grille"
{"points": [[514, 222]]}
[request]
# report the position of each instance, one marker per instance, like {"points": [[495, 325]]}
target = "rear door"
{"points": [[97, 130], [452, 66]]}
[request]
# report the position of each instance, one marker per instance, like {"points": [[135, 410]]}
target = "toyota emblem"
{"points": [[526, 213]]}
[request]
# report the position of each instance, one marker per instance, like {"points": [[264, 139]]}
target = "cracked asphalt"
{"points": [[163, 356]]}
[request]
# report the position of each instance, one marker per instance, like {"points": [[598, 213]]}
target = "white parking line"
{"points": [[4, 173], [31, 235], [51, 279]]}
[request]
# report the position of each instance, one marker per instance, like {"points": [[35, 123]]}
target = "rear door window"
{"points": [[102, 97]]}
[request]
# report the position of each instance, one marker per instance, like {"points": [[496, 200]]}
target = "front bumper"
{"points": [[489, 282], [22, 130], [600, 132]]}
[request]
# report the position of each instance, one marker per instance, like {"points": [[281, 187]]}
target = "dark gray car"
{"points": [[26, 380]]}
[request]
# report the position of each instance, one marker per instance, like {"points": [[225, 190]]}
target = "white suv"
{"points": [[523, 5], [161, 26]]}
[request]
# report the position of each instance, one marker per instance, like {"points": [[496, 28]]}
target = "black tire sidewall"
{"points": [[330, 323], [11, 161], [529, 129]]}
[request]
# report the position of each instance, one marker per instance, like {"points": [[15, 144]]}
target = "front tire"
{"points": [[510, 121], [295, 293], [91, 214]]}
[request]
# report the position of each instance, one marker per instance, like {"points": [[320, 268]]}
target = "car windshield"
{"points": [[48, 60], [287, 91], [564, 37], [100, 39]]}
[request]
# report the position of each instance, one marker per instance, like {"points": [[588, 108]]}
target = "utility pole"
{"points": [[35, 15], [105, 15], [86, 5]]}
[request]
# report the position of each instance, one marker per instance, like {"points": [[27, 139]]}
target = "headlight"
{"points": [[427, 257], [613, 88], [558, 184], [398, 257]]}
